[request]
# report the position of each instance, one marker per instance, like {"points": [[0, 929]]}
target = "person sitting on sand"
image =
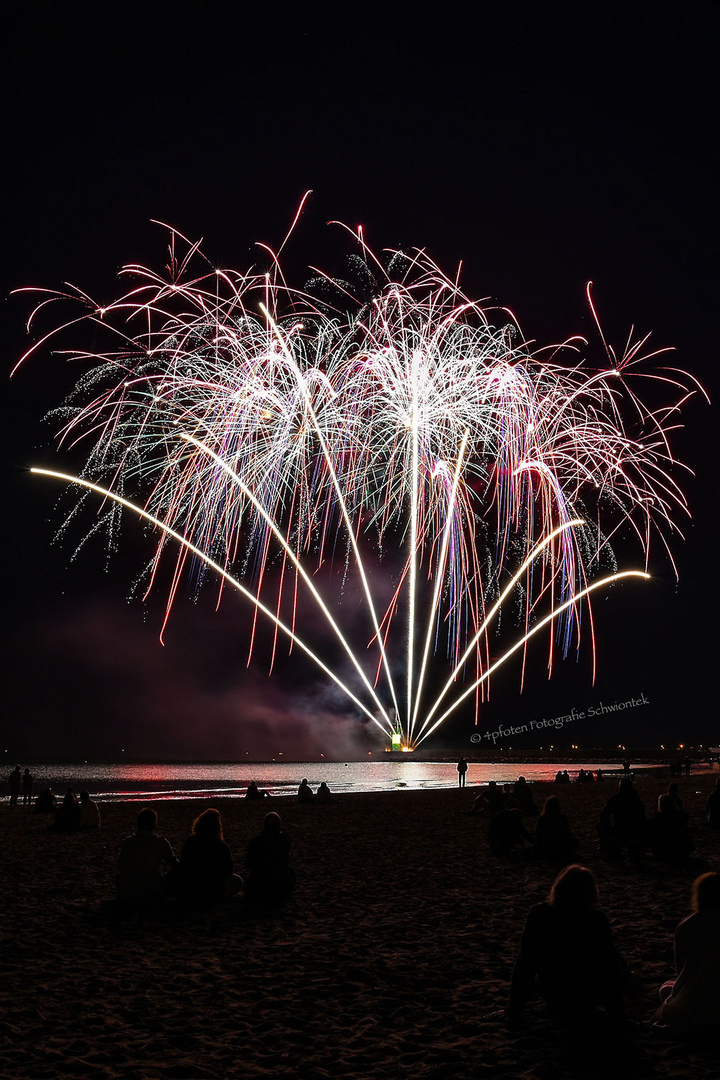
{"points": [[522, 795], [557, 933], [692, 998], [673, 792], [46, 802], [553, 836], [205, 873], [323, 793], [712, 807], [142, 860], [89, 812], [267, 859], [489, 801], [668, 834], [305, 792], [506, 831], [67, 815], [622, 823], [254, 792]]}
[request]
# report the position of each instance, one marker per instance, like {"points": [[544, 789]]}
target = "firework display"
{"points": [[386, 431]]}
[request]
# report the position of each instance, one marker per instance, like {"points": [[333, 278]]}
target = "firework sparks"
{"points": [[248, 421]]}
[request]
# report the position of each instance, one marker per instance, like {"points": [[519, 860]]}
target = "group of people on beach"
{"points": [[305, 793], [18, 782], [568, 958], [71, 814], [567, 955], [622, 825], [204, 874]]}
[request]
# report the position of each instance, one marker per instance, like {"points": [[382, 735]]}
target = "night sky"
{"points": [[542, 145]]}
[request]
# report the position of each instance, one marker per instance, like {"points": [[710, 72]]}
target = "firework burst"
{"points": [[253, 424]]}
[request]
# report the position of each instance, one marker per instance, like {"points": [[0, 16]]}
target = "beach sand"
{"points": [[392, 959]]}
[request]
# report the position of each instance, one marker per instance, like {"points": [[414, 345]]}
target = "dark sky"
{"points": [[544, 145]]}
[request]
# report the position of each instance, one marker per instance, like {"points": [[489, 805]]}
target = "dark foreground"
{"points": [[392, 959]]}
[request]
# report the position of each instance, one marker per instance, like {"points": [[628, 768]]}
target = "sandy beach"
{"points": [[392, 959]]}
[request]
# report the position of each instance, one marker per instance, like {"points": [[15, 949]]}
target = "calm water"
{"points": [[127, 781]]}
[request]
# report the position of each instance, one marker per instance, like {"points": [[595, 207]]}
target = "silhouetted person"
{"points": [[89, 812], [674, 794], [27, 786], [15, 781], [495, 797], [489, 800], [692, 998], [46, 802], [522, 794], [712, 807], [323, 793], [622, 823], [267, 860], [553, 836], [506, 831], [667, 833], [462, 768], [67, 815], [599, 776], [567, 955], [305, 792], [143, 859], [688, 765], [205, 874], [254, 792]]}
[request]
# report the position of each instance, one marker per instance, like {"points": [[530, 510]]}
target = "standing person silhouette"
{"points": [[462, 768], [15, 780], [27, 786]]}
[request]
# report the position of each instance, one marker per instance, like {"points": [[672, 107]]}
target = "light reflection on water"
{"points": [[134, 781]]}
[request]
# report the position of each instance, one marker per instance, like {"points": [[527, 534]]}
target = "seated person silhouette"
{"points": [[712, 807], [506, 831], [67, 815], [305, 792], [667, 833], [205, 873], [267, 859], [46, 802], [553, 836], [674, 794], [692, 999], [622, 823], [567, 955], [489, 801], [254, 792], [323, 793], [522, 795], [89, 812], [143, 859]]}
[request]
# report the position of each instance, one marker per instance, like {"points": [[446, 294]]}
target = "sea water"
{"points": [[122, 781]]}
